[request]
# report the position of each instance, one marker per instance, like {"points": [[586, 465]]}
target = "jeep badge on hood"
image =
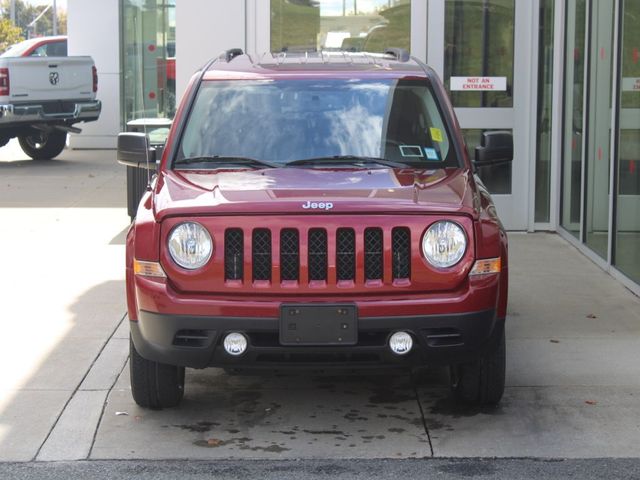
{"points": [[317, 205]]}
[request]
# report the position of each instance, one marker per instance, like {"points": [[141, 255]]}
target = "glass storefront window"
{"points": [[545, 93], [597, 156], [148, 59], [479, 43], [627, 239], [329, 25], [497, 178], [573, 116]]}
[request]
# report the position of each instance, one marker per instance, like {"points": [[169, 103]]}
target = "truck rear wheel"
{"points": [[482, 382], [43, 145], [153, 384]]}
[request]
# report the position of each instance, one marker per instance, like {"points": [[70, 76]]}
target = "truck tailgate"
{"points": [[50, 78]]}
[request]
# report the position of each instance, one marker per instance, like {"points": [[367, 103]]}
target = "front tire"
{"points": [[482, 382], [153, 384], [43, 145]]}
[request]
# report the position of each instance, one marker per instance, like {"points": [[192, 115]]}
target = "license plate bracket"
{"points": [[318, 325]]}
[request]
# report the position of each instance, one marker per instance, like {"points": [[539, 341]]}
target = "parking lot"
{"points": [[573, 379]]}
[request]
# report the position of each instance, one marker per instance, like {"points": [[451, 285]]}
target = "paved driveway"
{"points": [[573, 337]]}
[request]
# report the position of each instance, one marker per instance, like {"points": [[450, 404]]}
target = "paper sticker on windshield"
{"points": [[431, 153], [411, 151], [436, 134]]}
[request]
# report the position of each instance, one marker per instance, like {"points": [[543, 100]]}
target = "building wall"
{"points": [[93, 29], [201, 34], [204, 28]]}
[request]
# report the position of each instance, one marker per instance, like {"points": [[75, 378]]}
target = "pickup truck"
{"points": [[42, 98]]}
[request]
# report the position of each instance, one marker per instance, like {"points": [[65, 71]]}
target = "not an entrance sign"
{"points": [[478, 83], [631, 84]]}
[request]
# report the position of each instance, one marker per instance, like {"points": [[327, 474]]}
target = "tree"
{"points": [[25, 14], [8, 34]]}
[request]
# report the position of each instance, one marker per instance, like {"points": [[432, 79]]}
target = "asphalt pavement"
{"points": [[442, 469], [571, 408]]}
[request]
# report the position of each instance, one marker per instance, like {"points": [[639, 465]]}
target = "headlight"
{"points": [[444, 244], [190, 245]]}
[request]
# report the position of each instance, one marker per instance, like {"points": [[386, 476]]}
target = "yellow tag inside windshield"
{"points": [[436, 134]]}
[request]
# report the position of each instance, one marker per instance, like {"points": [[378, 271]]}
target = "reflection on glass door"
{"points": [[627, 240], [545, 111], [599, 126], [573, 116], [347, 25], [148, 59], [479, 43], [486, 65]]}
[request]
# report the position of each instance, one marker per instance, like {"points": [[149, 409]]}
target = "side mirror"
{"points": [[135, 150], [496, 148]]}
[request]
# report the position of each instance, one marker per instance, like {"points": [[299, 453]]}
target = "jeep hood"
{"points": [[289, 190]]}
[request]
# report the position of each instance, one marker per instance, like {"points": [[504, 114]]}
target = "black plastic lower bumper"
{"points": [[197, 341]]}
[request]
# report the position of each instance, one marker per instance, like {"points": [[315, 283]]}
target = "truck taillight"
{"points": [[5, 87], [94, 70]]}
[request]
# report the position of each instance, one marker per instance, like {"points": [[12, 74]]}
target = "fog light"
{"points": [[235, 344], [400, 343]]}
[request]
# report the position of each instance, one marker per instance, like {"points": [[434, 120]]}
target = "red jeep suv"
{"points": [[316, 210]]}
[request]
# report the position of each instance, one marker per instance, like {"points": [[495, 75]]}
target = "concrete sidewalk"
{"points": [[573, 337], [62, 284]]}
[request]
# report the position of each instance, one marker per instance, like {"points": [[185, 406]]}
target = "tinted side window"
{"points": [[54, 49], [57, 49], [41, 51]]}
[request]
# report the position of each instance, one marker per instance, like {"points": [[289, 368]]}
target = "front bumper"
{"points": [[196, 341], [72, 112]]}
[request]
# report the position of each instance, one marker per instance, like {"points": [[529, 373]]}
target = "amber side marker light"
{"points": [[148, 269], [484, 267]]}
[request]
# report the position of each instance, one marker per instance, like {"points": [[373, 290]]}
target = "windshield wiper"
{"points": [[245, 161], [352, 159]]}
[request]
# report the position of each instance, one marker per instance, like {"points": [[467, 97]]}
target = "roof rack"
{"points": [[400, 53], [231, 54]]}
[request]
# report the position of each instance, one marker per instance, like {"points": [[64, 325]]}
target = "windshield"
{"points": [[285, 121]]}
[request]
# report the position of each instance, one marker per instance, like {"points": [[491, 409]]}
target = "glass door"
{"points": [[483, 51], [588, 86], [627, 240], [598, 157], [573, 126], [148, 59]]}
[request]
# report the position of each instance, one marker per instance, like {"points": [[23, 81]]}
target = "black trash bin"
{"points": [[138, 177]]}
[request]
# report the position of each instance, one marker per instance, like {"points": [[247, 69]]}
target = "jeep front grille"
{"points": [[332, 256], [346, 254], [233, 254], [373, 254], [261, 254], [401, 247], [289, 254], [317, 254]]}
